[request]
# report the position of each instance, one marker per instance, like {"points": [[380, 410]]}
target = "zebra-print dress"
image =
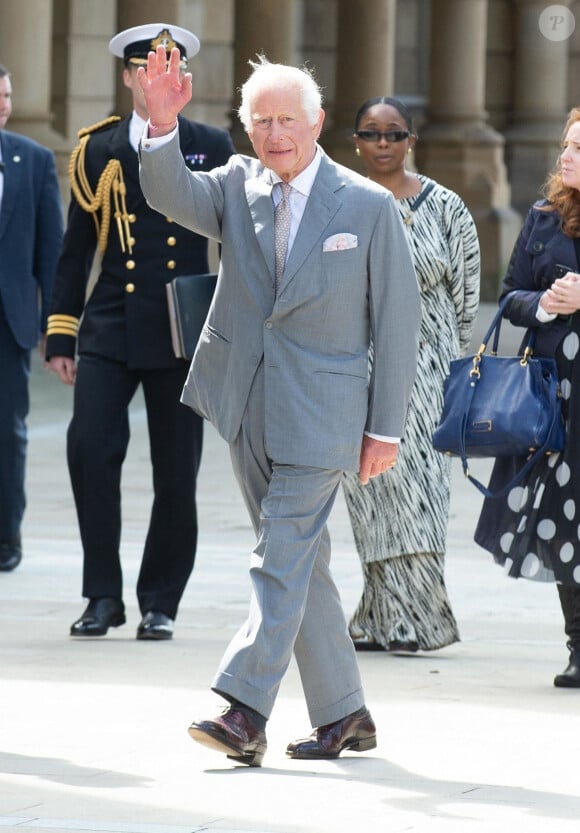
{"points": [[399, 519]]}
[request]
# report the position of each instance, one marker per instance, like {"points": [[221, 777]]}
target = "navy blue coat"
{"points": [[539, 249], [126, 318], [31, 229]]}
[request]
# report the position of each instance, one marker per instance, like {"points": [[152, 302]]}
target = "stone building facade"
{"points": [[490, 81]]}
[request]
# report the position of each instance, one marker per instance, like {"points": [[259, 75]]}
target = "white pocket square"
{"points": [[339, 242]]}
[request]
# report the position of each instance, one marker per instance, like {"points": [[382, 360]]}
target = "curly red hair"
{"points": [[561, 198]]}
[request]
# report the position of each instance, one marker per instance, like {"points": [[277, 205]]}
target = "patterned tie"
{"points": [[282, 229]]}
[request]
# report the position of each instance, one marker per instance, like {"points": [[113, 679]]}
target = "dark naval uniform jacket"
{"points": [[126, 317]]}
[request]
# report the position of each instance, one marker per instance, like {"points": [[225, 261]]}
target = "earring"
{"points": [[357, 151]]}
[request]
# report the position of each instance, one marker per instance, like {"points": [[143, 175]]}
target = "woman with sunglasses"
{"points": [[399, 519]]}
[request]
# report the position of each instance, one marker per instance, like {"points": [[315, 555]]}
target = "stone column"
{"points": [[26, 50], [457, 146], [364, 68], [539, 103], [261, 27]]}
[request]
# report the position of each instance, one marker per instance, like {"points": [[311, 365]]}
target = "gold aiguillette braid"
{"points": [[111, 180]]}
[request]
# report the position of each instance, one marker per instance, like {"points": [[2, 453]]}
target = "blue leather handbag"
{"points": [[497, 406]]}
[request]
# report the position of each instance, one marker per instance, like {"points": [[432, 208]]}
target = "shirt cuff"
{"points": [[543, 316], [383, 439], [149, 144]]}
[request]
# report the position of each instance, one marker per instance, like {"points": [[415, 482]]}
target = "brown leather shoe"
{"points": [[234, 733], [355, 731]]}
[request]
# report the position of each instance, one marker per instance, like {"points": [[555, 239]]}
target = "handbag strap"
{"points": [[494, 330], [539, 452]]}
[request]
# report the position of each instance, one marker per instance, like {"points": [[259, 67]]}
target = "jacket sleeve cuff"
{"points": [[61, 332]]}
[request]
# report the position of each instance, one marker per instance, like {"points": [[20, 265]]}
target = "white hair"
{"points": [[266, 75]]}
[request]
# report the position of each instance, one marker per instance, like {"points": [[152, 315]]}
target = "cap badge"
{"points": [[163, 39]]}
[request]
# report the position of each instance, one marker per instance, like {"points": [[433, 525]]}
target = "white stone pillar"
{"points": [[539, 103], [26, 50], [261, 27], [457, 146], [365, 57]]}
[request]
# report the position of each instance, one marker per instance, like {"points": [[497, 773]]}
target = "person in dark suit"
{"points": [[281, 370], [124, 341], [31, 229]]}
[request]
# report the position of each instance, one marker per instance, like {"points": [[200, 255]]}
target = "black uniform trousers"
{"points": [[98, 437], [14, 405]]}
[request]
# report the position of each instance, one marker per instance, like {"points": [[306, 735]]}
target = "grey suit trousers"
{"points": [[295, 605]]}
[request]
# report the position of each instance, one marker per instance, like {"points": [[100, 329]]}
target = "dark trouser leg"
{"points": [[175, 434], [98, 437], [14, 404], [570, 602]]}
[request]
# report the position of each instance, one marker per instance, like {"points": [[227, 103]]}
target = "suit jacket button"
{"points": [[171, 264], [130, 264], [171, 241], [130, 287]]}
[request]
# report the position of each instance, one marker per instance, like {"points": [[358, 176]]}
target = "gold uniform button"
{"points": [[132, 218], [171, 241], [130, 287], [171, 264], [169, 220], [130, 264]]}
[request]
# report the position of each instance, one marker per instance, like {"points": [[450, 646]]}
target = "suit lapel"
{"points": [[259, 198], [321, 206], [13, 162]]}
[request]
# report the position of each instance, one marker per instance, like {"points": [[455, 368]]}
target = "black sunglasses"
{"points": [[377, 135]]}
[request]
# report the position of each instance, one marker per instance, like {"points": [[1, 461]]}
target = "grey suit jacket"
{"points": [[314, 336]]}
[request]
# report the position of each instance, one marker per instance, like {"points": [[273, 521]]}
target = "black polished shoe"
{"points": [[100, 615], [234, 733], [356, 732], [570, 676], [10, 554], [155, 625]]}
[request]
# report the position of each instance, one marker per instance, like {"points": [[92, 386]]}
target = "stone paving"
{"points": [[93, 734]]}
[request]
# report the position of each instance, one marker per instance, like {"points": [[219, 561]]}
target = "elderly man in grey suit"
{"points": [[281, 370]]}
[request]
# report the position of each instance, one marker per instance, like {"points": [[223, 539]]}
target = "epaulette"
{"points": [[98, 202], [85, 131]]}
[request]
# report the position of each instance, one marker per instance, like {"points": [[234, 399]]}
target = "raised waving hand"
{"points": [[167, 89]]}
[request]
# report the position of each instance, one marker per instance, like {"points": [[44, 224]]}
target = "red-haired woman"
{"points": [[534, 530]]}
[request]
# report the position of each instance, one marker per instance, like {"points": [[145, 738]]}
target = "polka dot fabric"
{"points": [[534, 532]]}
